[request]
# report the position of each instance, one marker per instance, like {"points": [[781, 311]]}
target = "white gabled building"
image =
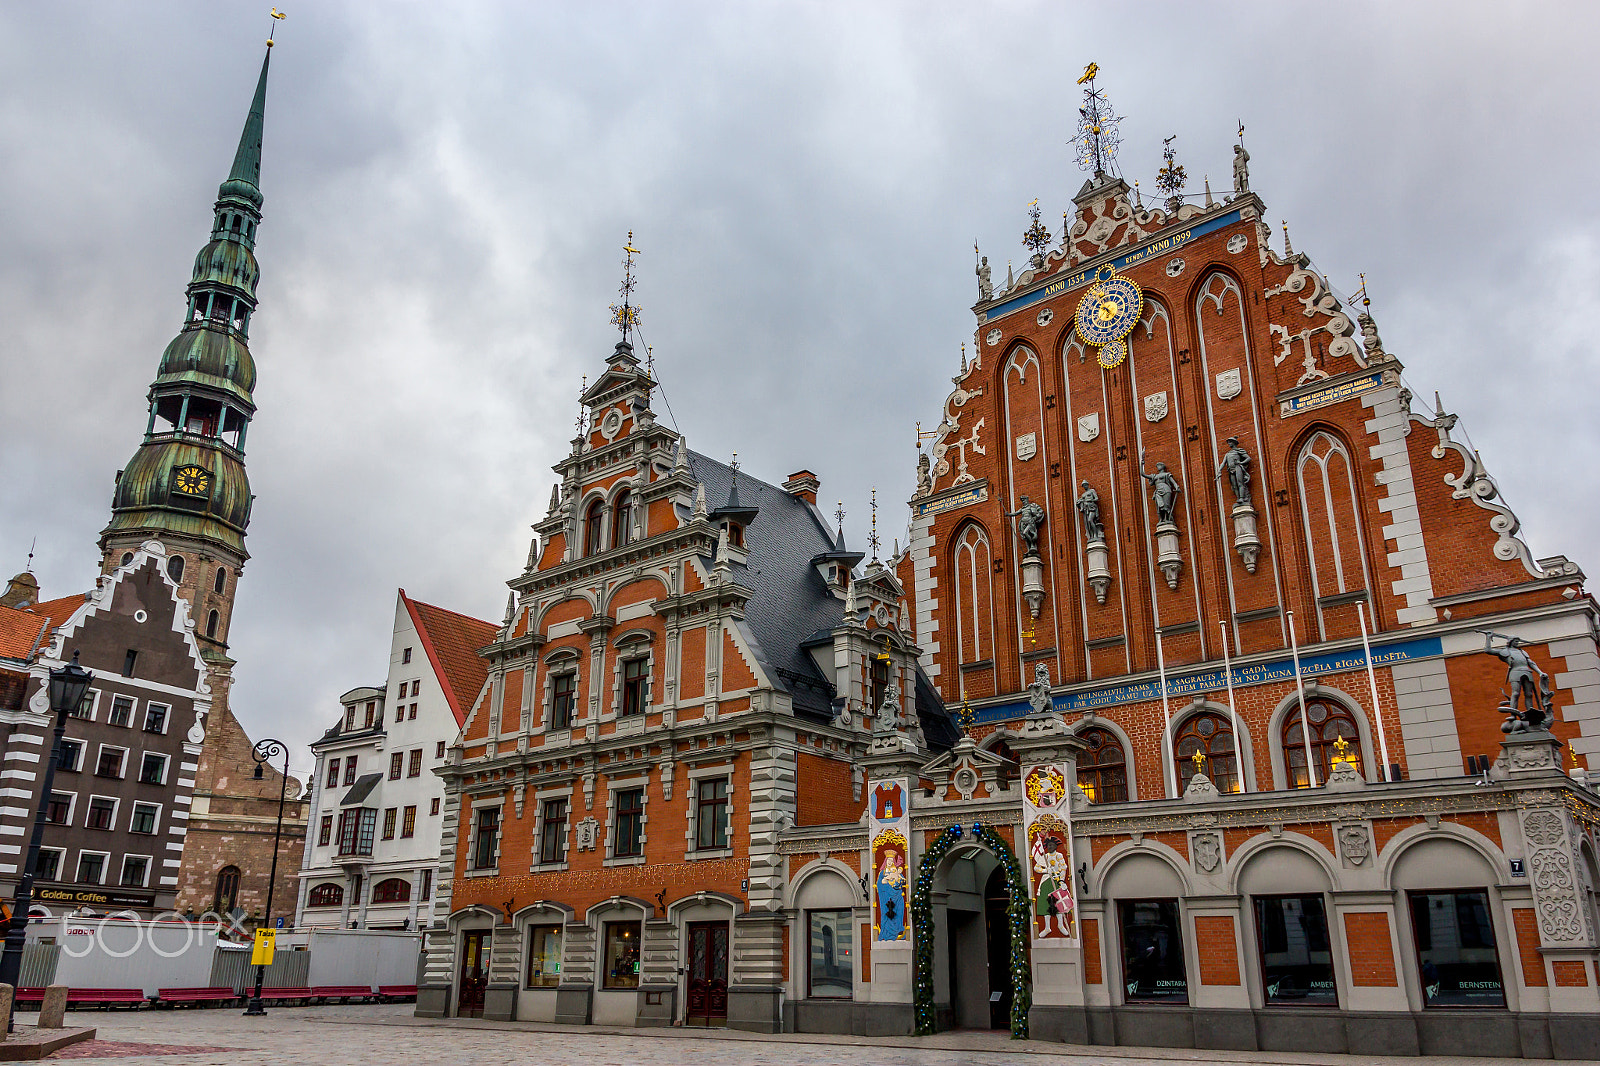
{"points": [[372, 843]]}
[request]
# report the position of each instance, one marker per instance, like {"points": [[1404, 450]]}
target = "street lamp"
{"points": [[67, 687], [264, 750]]}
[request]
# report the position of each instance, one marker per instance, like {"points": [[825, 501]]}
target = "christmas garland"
{"points": [[1018, 911]]}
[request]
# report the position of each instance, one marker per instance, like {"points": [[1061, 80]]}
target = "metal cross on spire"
{"points": [[625, 316], [872, 537], [1099, 135], [838, 516], [582, 421]]}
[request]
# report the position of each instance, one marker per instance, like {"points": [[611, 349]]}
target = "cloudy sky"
{"points": [[448, 187]]}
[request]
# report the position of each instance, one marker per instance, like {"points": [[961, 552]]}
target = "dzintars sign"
{"points": [[78, 896]]}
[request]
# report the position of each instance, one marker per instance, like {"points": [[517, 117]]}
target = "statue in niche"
{"points": [[1089, 506], [1039, 689], [890, 718], [1241, 170], [1236, 464], [1029, 516], [1163, 489], [985, 278], [1530, 686]]}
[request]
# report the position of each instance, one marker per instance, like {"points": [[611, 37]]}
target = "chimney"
{"points": [[804, 485]]}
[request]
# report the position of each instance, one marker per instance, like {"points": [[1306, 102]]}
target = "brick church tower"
{"points": [[186, 486]]}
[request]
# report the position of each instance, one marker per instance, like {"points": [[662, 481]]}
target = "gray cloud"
{"points": [[448, 187]]}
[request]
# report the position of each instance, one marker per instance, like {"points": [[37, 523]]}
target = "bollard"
{"points": [[6, 992], [54, 1007]]}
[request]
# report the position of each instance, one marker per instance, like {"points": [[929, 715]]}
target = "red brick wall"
{"points": [[1371, 954], [1570, 973], [866, 952], [1092, 974], [824, 793], [1526, 924], [1218, 950]]}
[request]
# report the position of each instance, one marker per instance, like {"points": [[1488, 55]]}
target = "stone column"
{"points": [[575, 993], [658, 973], [890, 1012], [505, 973]]}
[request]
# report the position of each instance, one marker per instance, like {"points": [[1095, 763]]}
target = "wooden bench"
{"points": [[395, 993], [172, 997], [342, 993], [286, 995]]}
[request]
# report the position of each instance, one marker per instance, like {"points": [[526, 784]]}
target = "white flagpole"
{"points": [[1168, 752], [1372, 679], [1238, 745], [1305, 727]]}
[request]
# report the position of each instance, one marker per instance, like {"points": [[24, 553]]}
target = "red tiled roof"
{"points": [[21, 628], [452, 641]]}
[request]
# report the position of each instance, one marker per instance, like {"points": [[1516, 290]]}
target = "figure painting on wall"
{"points": [[889, 883], [1052, 894]]}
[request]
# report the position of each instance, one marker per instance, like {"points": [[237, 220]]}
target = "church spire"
{"points": [[247, 159]]}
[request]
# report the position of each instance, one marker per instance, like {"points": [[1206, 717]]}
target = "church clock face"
{"points": [[191, 480], [1109, 311]]}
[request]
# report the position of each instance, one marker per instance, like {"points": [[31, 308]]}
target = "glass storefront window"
{"points": [[622, 955], [1152, 951], [1296, 962], [1456, 955], [832, 974], [544, 956]]}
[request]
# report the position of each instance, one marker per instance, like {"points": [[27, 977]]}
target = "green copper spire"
{"points": [[244, 180]]}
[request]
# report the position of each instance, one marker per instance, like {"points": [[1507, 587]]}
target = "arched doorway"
{"points": [[971, 925]]}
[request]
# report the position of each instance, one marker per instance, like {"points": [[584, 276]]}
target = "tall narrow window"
{"points": [[593, 525], [635, 672], [553, 831], [711, 814], [325, 831], [1152, 951], [563, 695], [1331, 513], [1210, 735], [974, 606], [220, 581], [544, 956], [414, 764], [129, 661], [622, 955], [211, 623], [175, 568], [1330, 723], [333, 774], [879, 683], [630, 823], [408, 822], [350, 770], [832, 970], [227, 889], [622, 519], [483, 842], [1103, 768], [390, 816]]}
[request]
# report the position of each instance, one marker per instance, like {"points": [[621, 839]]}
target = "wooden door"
{"points": [[708, 974], [474, 973]]}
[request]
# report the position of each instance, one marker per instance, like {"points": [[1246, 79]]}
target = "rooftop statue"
{"points": [[1530, 686]]}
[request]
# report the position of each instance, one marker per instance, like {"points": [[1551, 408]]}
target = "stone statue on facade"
{"points": [[890, 718], [1089, 506], [1029, 516], [924, 474], [1163, 490], [1039, 689], [1370, 341], [1530, 686], [1236, 464], [985, 279], [1241, 170]]}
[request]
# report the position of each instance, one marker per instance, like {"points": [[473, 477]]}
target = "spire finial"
{"points": [[1170, 179], [582, 422], [625, 316], [1098, 136], [872, 537], [734, 463], [277, 17], [31, 546], [838, 516], [1288, 249]]}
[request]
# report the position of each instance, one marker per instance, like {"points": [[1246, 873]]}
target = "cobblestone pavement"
{"points": [[389, 1035]]}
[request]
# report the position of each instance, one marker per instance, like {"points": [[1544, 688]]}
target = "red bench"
{"points": [[100, 997], [394, 993], [283, 995], [343, 993], [172, 997]]}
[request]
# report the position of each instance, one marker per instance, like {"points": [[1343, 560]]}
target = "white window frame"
{"points": [[696, 774], [105, 864], [497, 802], [149, 862], [539, 799], [133, 709], [94, 708], [562, 664], [134, 813], [61, 860], [72, 808], [166, 723], [82, 747], [123, 776], [631, 647], [166, 767], [614, 786], [116, 808]]}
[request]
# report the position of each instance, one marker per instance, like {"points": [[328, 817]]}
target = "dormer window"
{"points": [[735, 534]]}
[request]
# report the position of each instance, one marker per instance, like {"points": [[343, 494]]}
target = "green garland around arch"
{"points": [[1018, 912]]}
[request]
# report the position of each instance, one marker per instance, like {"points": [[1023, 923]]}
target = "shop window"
{"points": [[622, 955], [1456, 955], [1296, 963], [484, 840], [1103, 768], [630, 823], [544, 956], [327, 894], [711, 814], [553, 831], [831, 973], [593, 525], [563, 696], [1211, 736], [1152, 951], [1330, 723]]}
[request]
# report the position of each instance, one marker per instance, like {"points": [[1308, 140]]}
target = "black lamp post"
{"points": [[67, 687], [264, 750]]}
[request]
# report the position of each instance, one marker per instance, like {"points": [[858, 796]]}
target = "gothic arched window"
{"points": [[1328, 722], [974, 604], [622, 519], [593, 523], [1331, 513], [1103, 769], [327, 894], [1211, 735], [227, 889]]}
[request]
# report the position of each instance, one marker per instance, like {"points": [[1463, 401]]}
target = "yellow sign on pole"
{"points": [[262, 955]]}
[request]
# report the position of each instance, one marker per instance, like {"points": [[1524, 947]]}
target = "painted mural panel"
{"points": [[891, 859], [1048, 831]]}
